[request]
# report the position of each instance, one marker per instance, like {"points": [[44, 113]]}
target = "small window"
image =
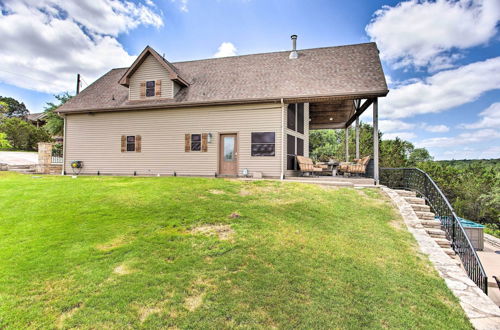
{"points": [[195, 142], [150, 88], [131, 143], [263, 144]]}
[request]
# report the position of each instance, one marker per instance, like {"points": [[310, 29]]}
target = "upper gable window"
{"points": [[150, 88]]}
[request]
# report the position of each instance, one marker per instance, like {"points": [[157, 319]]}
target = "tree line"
{"points": [[16, 133], [471, 186]]}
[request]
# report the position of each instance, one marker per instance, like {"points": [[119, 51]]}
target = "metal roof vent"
{"points": [[293, 53]]}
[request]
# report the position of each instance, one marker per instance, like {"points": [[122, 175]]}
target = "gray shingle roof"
{"points": [[332, 71]]}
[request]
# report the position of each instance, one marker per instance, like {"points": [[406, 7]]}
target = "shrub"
{"points": [[22, 135]]}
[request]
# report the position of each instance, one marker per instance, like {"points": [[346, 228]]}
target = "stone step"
{"points": [[415, 200], [20, 167], [450, 252], [419, 207], [431, 224], [405, 193], [436, 233], [422, 215], [22, 170], [443, 242]]}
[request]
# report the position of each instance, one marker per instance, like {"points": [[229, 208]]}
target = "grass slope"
{"points": [[120, 252]]}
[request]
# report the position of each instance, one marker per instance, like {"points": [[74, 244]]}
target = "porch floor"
{"points": [[334, 180]]}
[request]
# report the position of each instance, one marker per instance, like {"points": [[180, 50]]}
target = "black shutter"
{"points": [[300, 118]]}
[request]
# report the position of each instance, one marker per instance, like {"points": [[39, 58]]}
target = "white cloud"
{"points": [[401, 135], [45, 43], [443, 90], [465, 138], [183, 5], [429, 33], [387, 125], [490, 118], [435, 128], [226, 49]]}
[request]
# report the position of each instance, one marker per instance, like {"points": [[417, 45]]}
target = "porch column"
{"points": [[375, 141], [357, 138], [347, 144]]}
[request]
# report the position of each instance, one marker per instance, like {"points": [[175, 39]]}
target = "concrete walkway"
{"points": [[18, 157], [490, 259]]}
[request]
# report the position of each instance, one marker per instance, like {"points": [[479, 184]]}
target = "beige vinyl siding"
{"points": [[150, 69], [304, 136], [95, 139]]}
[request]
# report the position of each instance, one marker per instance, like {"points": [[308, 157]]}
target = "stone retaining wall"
{"points": [[478, 307]]}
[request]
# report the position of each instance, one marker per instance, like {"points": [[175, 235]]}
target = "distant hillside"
{"points": [[465, 162]]}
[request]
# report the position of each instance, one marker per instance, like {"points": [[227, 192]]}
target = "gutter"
{"points": [[291, 99], [64, 148], [282, 176]]}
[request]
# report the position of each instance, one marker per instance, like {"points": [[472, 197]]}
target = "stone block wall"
{"points": [[45, 165]]}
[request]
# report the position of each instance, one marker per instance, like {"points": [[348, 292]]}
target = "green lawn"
{"points": [[116, 252]]}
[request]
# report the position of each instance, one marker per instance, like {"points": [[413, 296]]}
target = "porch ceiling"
{"points": [[331, 114]]}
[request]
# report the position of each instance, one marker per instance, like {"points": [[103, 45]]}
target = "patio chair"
{"points": [[358, 167], [306, 165]]}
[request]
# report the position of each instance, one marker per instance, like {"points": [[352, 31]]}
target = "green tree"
{"points": [[54, 123], [419, 155], [22, 135], [4, 143], [395, 153], [13, 107]]}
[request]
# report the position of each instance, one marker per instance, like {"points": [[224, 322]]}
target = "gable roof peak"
{"points": [[173, 72]]}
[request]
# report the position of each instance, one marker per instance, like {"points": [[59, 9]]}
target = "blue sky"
{"points": [[441, 58]]}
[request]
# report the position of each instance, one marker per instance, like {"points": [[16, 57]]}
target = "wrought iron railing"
{"points": [[420, 182], [57, 154]]}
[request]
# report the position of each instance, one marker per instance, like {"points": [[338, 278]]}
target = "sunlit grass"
{"points": [[116, 252]]}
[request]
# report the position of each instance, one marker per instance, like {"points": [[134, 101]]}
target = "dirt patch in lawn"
{"points": [[114, 243], [216, 192], [145, 312], [122, 270], [197, 292], [223, 232], [67, 315], [244, 192]]}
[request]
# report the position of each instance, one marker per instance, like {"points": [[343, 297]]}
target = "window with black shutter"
{"points": [[291, 117], [290, 151], [263, 143], [300, 118]]}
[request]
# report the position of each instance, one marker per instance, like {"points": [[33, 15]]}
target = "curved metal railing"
{"points": [[420, 182]]}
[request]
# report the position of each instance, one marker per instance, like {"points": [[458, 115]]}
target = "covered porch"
{"points": [[342, 112]]}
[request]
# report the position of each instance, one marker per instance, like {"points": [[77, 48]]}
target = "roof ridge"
{"points": [[264, 53]]}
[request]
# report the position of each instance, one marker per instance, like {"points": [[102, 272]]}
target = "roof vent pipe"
{"points": [[293, 53]]}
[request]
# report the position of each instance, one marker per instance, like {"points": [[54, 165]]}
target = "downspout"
{"points": [[282, 177], [63, 172]]}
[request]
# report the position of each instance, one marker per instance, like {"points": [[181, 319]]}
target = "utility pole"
{"points": [[77, 83]]}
